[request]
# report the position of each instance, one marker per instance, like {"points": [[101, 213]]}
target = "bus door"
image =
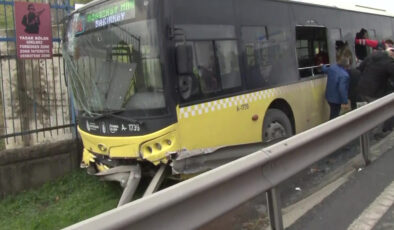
{"points": [[312, 52]]}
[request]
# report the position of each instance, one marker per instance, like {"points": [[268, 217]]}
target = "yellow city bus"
{"points": [[160, 83]]}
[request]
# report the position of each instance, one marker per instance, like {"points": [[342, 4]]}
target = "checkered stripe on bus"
{"points": [[213, 106], [226, 103]]}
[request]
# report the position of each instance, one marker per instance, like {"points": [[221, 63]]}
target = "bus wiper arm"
{"points": [[114, 115], [127, 119]]}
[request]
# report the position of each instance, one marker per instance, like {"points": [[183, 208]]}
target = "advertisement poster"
{"points": [[33, 30]]}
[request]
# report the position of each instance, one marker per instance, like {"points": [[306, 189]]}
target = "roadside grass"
{"points": [[58, 204]]}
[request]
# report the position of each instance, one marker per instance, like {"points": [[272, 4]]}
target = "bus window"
{"points": [[344, 55], [265, 53], [336, 34], [121, 53], [255, 44], [215, 68], [206, 67], [336, 42], [227, 53], [312, 51], [372, 34]]}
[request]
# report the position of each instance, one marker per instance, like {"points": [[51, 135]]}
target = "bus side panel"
{"points": [[228, 121]]}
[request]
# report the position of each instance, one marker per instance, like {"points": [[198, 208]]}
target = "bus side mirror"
{"points": [[184, 59]]}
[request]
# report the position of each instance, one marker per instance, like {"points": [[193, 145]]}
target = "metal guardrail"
{"points": [[192, 203]]}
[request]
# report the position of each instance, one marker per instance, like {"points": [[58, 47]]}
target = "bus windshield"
{"points": [[112, 59]]}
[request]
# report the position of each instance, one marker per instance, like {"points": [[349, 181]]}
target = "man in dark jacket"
{"points": [[354, 75], [361, 50], [377, 70], [376, 78]]}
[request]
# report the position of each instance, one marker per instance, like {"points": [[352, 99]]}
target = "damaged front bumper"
{"points": [[153, 147]]}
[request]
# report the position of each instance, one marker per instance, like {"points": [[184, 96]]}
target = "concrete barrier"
{"points": [[29, 167]]}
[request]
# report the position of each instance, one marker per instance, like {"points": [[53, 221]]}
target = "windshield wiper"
{"points": [[113, 114]]}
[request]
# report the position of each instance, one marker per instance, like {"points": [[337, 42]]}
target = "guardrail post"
{"points": [[274, 209], [364, 144]]}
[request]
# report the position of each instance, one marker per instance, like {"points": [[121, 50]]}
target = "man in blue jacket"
{"points": [[337, 85]]}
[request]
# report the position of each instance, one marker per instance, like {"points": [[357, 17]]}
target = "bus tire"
{"points": [[276, 126]]}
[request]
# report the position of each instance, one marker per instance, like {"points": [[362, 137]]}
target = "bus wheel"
{"points": [[276, 126]]}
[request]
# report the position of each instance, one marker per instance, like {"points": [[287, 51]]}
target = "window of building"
{"points": [[312, 51]]}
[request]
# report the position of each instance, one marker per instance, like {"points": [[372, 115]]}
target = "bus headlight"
{"points": [[155, 150]]}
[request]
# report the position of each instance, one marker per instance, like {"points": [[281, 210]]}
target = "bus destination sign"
{"points": [[108, 14]]}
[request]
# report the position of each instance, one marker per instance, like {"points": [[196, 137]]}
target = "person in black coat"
{"points": [[361, 50], [376, 78], [354, 75], [377, 70]]}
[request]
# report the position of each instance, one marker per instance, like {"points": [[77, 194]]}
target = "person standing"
{"points": [[375, 44], [376, 80], [343, 49], [361, 50], [377, 71], [337, 85], [354, 77]]}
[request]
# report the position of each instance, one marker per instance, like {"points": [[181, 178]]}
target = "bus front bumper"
{"points": [[153, 147]]}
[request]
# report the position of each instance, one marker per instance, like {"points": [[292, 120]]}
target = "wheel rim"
{"points": [[275, 131]]}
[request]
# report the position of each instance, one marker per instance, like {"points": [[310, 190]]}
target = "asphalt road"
{"points": [[253, 214], [346, 204]]}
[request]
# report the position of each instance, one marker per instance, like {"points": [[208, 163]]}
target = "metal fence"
{"points": [[35, 103], [190, 204]]}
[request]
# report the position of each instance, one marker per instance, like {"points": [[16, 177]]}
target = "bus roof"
{"points": [[344, 6], [323, 3]]}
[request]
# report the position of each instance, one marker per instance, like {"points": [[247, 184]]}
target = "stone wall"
{"points": [[29, 167]]}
